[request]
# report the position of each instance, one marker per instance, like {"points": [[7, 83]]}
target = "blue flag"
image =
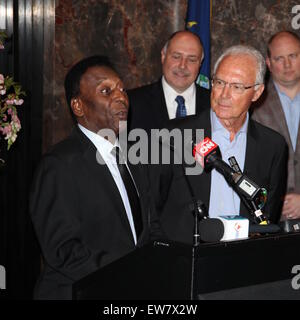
{"points": [[198, 21]]}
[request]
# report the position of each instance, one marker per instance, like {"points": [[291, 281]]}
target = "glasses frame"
{"points": [[240, 90]]}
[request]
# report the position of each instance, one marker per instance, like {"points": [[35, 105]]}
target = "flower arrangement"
{"points": [[10, 97]]}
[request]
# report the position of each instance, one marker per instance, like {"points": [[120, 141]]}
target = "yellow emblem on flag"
{"points": [[191, 23]]}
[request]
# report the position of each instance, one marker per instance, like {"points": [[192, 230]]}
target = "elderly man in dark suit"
{"points": [[279, 108], [238, 81], [175, 94], [87, 208]]}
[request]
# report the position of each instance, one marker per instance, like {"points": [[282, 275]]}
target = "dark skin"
{"points": [[102, 102]]}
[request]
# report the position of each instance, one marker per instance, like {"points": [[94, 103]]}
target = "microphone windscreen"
{"points": [[268, 228], [211, 230]]}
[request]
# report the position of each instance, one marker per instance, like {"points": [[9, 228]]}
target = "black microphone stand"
{"points": [[199, 211], [198, 207]]}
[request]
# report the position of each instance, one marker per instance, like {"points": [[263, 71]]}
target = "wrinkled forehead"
{"points": [[232, 62], [96, 75]]}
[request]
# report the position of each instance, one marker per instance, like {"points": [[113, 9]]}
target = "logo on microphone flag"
{"points": [[237, 227], [202, 149]]}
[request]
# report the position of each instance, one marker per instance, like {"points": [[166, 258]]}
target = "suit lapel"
{"points": [[158, 104], [298, 139], [101, 174], [250, 156], [201, 183], [249, 166], [198, 100], [201, 102], [278, 113]]}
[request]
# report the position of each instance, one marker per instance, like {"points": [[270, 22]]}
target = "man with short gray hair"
{"points": [[260, 152]]}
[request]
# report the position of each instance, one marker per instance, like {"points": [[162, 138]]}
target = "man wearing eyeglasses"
{"points": [[238, 80], [280, 108]]}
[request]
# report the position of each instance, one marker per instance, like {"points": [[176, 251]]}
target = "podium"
{"points": [[159, 270], [259, 268], [256, 268]]}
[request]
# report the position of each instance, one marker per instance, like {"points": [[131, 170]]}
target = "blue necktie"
{"points": [[181, 109]]}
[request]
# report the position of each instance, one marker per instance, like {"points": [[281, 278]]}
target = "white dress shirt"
{"points": [[105, 148], [170, 95]]}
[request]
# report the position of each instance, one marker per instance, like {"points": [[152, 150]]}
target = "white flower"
{"points": [[18, 102]]}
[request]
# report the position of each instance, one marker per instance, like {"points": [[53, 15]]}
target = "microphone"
{"points": [[211, 230], [234, 164], [208, 154], [224, 228], [215, 230]]}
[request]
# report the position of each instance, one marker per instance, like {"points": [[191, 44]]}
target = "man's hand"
{"points": [[291, 206]]}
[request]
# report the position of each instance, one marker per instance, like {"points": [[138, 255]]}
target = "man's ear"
{"points": [[258, 92], [268, 62], [76, 105], [162, 56]]}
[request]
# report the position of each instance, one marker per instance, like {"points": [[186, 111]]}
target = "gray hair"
{"points": [[246, 50]]}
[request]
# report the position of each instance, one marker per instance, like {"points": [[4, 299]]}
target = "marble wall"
{"points": [[248, 22], [132, 33]]}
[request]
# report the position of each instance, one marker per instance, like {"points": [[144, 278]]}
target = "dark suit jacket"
{"points": [[148, 108], [78, 215], [265, 164], [268, 111]]}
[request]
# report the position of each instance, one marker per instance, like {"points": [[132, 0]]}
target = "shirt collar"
{"points": [[173, 93], [217, 126], [102, 145], [278, 89], [281, 93]]}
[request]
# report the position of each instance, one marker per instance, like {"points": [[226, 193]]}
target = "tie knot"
{"points": [[180, 100]]}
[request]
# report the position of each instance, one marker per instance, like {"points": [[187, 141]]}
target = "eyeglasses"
{"points": [[237, 88]]}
